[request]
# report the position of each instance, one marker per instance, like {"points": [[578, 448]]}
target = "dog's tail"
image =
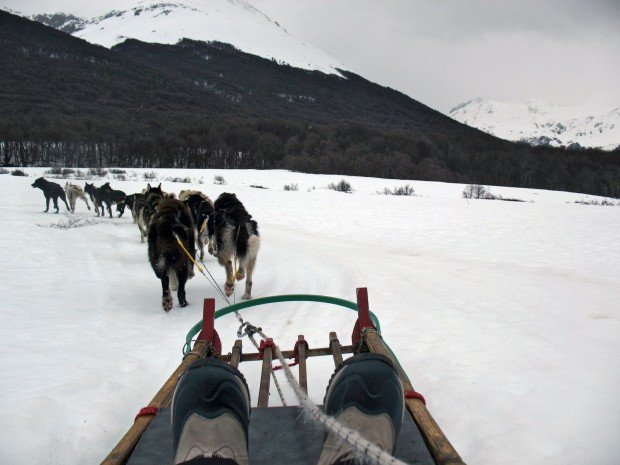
{"points": [[173, 280]]}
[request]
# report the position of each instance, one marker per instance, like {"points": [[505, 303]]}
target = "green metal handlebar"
{"points": [[276, 299]]}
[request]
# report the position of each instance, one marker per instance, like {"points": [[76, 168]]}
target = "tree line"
{"points": [[346, 150]]}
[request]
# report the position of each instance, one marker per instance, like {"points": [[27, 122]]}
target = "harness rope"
{"points": [[247, 325]]}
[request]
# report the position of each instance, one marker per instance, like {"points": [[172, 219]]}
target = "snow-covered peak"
{"points": [[541, 122], [235, 22]]}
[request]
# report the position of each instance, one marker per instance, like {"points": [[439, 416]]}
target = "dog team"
{"points": [[173, 228]]}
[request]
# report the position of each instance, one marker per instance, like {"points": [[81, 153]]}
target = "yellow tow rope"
{"points": [[198, 264], [188, 254]]}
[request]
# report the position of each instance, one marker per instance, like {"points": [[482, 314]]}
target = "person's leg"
{"points": [[210, 415], [366, 395]]}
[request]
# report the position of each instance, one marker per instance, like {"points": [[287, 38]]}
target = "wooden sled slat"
{"points": [[302, 345], [334, 345], [235, 356], [319, 352], [265, 379]]}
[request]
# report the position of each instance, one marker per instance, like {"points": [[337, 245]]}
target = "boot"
{"points": [[210, 413], [366, 395]]}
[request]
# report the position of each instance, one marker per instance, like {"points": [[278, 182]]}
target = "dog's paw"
{"points": [[166, 303], [240, 275], [246, 296], [229, 289], [183, 303]]}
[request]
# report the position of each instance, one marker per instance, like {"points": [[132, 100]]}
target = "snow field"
{"points": [[505, 315]]}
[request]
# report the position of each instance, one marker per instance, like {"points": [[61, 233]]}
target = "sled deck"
{"points": [[279, 435]]}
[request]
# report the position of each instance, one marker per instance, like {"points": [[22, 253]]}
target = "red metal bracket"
{"points": [[264, 344], [208, 332], [363, 315]]}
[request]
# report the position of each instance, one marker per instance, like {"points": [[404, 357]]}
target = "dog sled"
{"points": [[279, 435]]}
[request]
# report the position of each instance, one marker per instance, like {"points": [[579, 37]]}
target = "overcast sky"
{"points": [[444, 52]]}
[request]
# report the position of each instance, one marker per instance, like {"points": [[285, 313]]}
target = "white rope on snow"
{"points": [[362, 448]]}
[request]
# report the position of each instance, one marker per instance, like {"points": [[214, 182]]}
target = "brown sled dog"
{"points": [[170, 263]]}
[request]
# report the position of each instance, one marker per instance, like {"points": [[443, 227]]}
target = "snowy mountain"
{"points": [[235, 22], [543, 123]]}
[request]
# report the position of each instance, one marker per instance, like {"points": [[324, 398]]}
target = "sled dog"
{"points": [[168, 260], [201, 207], [51, 190], [116, 198], [146, 206], [130, 202], [234, 234], [75, 192], [104, 195]]}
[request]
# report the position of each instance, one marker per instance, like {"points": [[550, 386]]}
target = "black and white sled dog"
{"points": [[234, 234], [75, 192], [168, 260], [146, 206], [201, 207], [130, 202], [104, 195], [51, 190]]}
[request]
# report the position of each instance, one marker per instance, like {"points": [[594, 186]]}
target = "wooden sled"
{"points": [[278, 435]]}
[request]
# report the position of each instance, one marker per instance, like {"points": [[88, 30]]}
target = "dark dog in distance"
{"points": [[168, 260], [146, 206], [99, 197], [104, 196], [233, 233], [116, 198], [51, 190], [201, 207]]}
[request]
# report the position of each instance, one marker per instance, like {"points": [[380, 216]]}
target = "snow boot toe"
{"points": [[366, 395], [210, 413]]}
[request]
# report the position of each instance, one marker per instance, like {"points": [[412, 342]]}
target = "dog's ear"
{"points": [[159, 187], [148, 186]]}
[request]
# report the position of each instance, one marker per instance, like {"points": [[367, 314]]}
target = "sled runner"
{"points": [[279, 435]]}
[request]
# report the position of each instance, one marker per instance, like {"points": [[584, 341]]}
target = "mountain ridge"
{"points": [[236, 22], [542, 123], [64, 101]]}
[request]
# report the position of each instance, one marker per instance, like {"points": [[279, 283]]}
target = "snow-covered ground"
{"points": [[505, 315]]}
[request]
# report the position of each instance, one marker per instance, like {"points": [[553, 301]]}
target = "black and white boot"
{"points": [[210, 414], [366, 395]]}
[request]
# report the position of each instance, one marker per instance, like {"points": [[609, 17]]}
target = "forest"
{"points": [[65, 102]]}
